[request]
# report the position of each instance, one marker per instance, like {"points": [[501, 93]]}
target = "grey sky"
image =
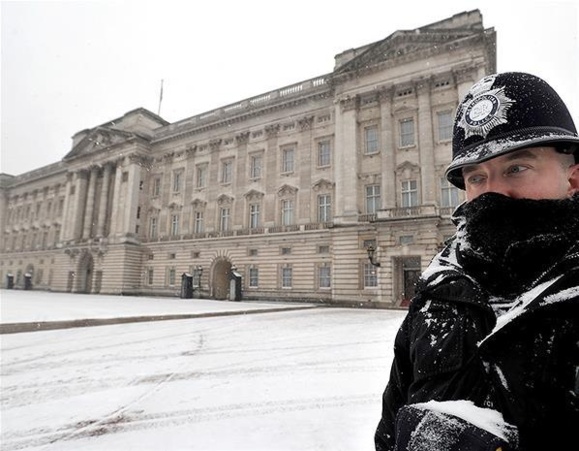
{"points": [[71, 65]]}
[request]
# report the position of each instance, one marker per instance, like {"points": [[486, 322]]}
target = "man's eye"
{"points": [[474, 179], [517, 169]]}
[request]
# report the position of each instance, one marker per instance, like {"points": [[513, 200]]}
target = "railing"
{"points": [[367, 217], [282, 229], [243, 232], [403, 212], [313, 84], [386, 214]]}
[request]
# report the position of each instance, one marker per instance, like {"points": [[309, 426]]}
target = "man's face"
{"points": [[530, 173]]}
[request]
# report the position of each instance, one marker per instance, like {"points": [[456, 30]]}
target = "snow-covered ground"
{"points": [[289, 380]]}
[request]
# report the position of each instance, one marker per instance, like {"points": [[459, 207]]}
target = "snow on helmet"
{"points": [[506, 112]]}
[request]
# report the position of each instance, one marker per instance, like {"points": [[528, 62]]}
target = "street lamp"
{"points": [[198, 274], [371, 250]]}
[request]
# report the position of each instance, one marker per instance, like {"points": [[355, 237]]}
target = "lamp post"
{"points": [[371, 251], [199, 273]]}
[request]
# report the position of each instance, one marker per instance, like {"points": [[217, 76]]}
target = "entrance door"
{"points": [[411, 276], [407, 274], [220, 279]]}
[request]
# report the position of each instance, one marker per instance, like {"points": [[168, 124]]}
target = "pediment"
{"points": [[224, 199], [198, 203], [175, 206], [253, 195], [407, 167], [323, 184], [287, 190], [98, 139], [401, 45]]}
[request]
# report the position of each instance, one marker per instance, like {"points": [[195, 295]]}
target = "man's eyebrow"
{"points": [[524, 153]]}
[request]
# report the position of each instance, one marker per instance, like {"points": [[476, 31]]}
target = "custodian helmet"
{"points": [[506, 112]]}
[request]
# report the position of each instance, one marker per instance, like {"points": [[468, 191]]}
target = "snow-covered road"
{"points": [[294, 380]]}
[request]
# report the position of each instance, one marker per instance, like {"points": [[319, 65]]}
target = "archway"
{"points": [[220, 279], [84, 273]]}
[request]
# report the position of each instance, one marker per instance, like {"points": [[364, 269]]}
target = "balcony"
{"points": [[244, 232], [400, 213]]}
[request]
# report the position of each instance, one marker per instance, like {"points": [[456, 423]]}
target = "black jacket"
{"points": [[525, 364]]}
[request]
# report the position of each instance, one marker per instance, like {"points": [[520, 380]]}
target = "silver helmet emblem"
{"points": [[487, 109]]}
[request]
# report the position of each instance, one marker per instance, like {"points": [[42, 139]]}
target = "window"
{"points": [[201, 174], [373, 202], [406, 240], [226, 171], [224, 216], [324, 153], [175, 225], [199, 225], [156, 188], [171, 276], [445, 124], [449, 194], [255, 167], [324, 277], [323, 249], [370, 277], [371, 139], [409, 193], [286, 277], [253, 252], [150, 276], [253, 277], [407, 132], [287, 212], [287, 163], [153, 228], [324, 208], [286, 250], [253, 216], [177, 181]]}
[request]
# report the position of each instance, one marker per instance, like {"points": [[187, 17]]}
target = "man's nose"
{"points": [[499, 185]]}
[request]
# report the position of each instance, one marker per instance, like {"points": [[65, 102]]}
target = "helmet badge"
{"points": [[485, 110]]}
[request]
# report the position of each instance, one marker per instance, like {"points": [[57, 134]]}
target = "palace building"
{"points": [[290, 191]]}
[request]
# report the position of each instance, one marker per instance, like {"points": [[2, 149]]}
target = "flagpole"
{"points": [[160, 99]]}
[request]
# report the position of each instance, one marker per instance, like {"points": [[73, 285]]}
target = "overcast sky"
{"points": [[71, 65]]}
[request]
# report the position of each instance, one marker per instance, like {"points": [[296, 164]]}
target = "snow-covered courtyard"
{"points": [[308, 379]]}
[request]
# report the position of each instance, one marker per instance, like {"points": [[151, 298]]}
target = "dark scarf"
{"points": [[509, 244]]}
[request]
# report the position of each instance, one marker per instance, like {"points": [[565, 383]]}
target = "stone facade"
{"points": [[288, 189]]}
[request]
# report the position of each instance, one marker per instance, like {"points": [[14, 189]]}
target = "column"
{"points": [[79, 203], [387, 140], [89, 209], [346, 161], [426, 144], [102, 215], [117, 204]]}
